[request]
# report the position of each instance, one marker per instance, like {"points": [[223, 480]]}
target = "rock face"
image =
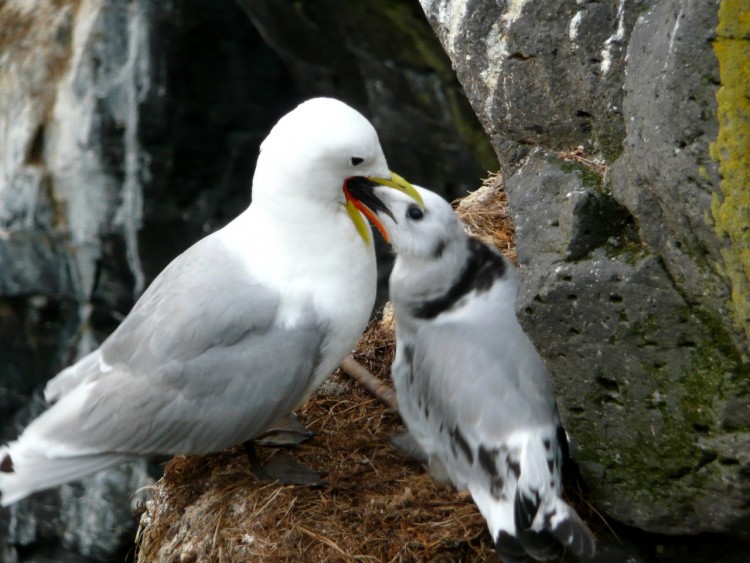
{"points": [[383, 58], [618, 126], [129, 130]]}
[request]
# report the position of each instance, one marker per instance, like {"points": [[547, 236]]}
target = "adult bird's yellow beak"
{"points": [[400, 184], [360, 197]]}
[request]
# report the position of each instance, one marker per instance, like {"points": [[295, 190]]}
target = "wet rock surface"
{"points": [[129, 131]]}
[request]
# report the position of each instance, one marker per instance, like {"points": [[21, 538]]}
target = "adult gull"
{"points": [[239, 329]]}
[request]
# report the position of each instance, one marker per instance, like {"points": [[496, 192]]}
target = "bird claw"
{"points": [[284, 468]]}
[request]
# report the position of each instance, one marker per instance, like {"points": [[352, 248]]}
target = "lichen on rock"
{"points": [[731, 209]]}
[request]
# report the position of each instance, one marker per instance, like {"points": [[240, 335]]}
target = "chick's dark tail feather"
{"points": [[541, 544], [544, 527], [509, 549]]}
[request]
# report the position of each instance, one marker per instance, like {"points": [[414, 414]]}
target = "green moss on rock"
{"points": [[589, 178], [609, 140], [661, 457]]}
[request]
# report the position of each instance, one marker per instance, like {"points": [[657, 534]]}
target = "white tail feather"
{"points": [[530, 518], [496, 512], [73, 376], [33, 471]]}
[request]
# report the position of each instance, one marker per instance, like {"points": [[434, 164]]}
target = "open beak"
{"points": [[360, 196]]}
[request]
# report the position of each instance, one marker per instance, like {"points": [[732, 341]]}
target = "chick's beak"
{"points": [[361, 197]]}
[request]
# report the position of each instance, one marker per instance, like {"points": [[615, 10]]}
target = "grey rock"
{"points": [[539, 73], [624, 278], [666, 175], [44, 269]]}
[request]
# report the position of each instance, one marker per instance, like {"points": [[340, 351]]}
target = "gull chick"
{"points": [[471, 387], [239, 329]]}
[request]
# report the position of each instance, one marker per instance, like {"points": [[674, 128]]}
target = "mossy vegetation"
{"points": [[589, 178], [731, 209], [609, 138]]}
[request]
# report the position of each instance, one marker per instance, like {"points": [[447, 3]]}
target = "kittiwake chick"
{"points": [[471, 387]]}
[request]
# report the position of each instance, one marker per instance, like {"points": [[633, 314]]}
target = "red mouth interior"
{"points": [[367, 213]]}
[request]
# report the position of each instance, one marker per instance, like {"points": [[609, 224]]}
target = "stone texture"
{"points": [[665, 175], [72, 74], [539, 73], [628, 280]]}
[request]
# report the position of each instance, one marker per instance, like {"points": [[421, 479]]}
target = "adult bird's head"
{"points": [[328, 154]]}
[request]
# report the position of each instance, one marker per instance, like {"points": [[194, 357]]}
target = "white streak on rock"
{"points": [[575, 23], [613, 39], [136, 84], [450, 16], [673, 35], [497, 52], [496, 45], [515, 8], [80, 178]]}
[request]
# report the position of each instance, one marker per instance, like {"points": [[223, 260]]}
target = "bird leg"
{"points": [[256, 466], [282, 466], [287, 431]]}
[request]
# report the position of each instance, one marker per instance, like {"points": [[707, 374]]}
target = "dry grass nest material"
{"points": [[486, 216], [376, 506]]}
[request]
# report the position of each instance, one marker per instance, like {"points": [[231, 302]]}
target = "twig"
{"points": [[362, 375]]}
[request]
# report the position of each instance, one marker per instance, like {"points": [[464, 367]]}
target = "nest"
{"points": [[375, 505], [486, 216]]}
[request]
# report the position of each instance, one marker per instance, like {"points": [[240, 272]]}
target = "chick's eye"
{"points": [[414, 212], [356, 160]]}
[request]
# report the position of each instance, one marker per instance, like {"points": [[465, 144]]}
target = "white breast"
{"points": [[318, 262]]}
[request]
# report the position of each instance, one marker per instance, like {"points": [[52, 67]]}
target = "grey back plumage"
{"points": [[203, 381]]}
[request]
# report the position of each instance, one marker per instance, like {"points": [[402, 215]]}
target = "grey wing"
{"points": [[198, 365], [491, 382], [474, 389]]}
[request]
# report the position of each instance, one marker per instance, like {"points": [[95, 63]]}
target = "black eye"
{"points": [[355, 160], [414, 212]]}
